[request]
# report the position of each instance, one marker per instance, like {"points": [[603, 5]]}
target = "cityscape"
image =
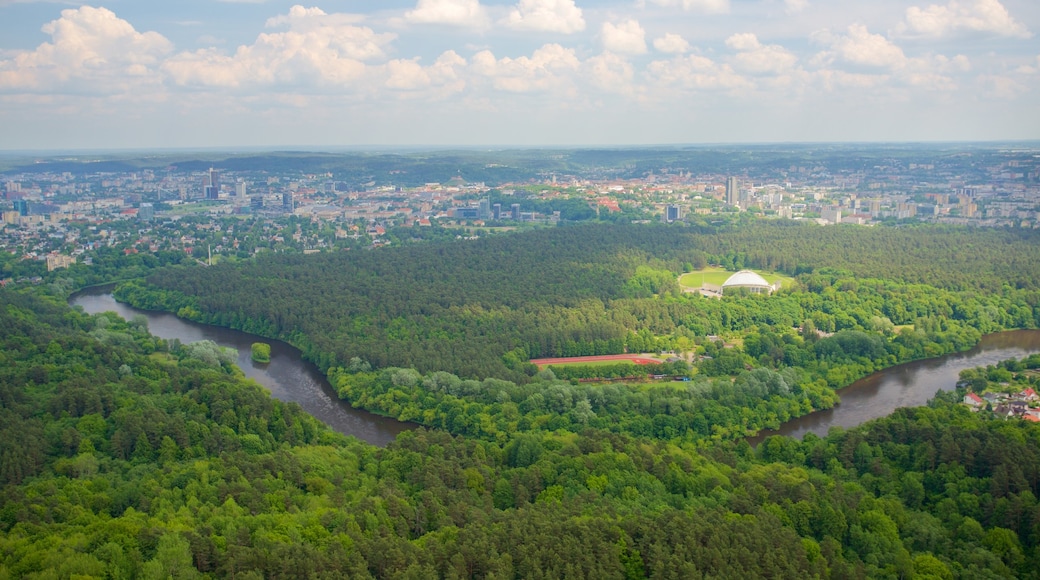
{"points": [[520, 289], [59, 218]]}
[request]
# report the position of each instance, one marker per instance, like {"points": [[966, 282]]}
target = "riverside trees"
{"points": [[124, 460]]}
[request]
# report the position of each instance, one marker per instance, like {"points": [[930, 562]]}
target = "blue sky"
{"points": [[207, 73]]}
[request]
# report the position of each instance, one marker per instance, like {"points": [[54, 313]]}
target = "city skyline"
{"points": [[205, 73]]}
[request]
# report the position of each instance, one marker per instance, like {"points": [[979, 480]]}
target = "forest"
{"points": [[385, 325], [124, 456]]}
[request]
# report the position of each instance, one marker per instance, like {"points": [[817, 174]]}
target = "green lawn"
{"points": [[717, 276]]}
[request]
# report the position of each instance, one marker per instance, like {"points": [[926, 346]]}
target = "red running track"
{"points": [[637, 359]]}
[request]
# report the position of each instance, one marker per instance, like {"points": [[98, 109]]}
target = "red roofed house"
{"points": [[974, 401]]}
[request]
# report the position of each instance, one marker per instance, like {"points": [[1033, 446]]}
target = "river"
{"points": [[907, 385], [288, 377]]}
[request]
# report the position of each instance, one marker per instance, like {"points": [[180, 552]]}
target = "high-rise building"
{"points": [[257, 201], [832, 214], [211, 184], [672, 213], [732, 191], [146, 212], [288, 202], [240, 189], [484, 209], [514, 212], [21, 206], [496, 211]]}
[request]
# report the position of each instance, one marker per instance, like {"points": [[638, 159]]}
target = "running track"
{"points": [[638, 359]]}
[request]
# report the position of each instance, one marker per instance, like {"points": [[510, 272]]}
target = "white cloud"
{"points": [[795, 6], [561, 16], [626, 37], [755, 58], [859, 47], [705, 6], [406, 75], [610, 72], [696, 73], [671, 44], [454, 12], [937, 20], [412, 80], [317, 50], [92, 51], [1000, 87], [548, 68], [883, 65]]}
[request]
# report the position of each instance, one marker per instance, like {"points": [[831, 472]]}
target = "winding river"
{"points": [[288, 377], [907, 385]]}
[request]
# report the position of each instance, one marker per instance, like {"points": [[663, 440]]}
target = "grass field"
{"points": [[716, 276]]}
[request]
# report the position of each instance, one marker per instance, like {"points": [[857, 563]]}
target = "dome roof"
{"points": [[745, 278]]}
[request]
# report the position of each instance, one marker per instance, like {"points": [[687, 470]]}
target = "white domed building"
{"points": [[750, 281]]}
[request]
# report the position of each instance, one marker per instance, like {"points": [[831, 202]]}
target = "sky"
{"points": [[127, 74]]}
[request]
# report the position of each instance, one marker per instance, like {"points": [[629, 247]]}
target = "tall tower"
{"points": [[211, 184], [732, 191]]}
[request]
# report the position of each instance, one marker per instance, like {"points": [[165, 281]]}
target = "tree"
{"points": [[261, 352]]}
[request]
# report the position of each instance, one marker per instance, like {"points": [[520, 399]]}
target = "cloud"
{"points": [[626, 37], [755, 58], [317, 50], [705, 6], [547, 15], [441, 79], [859, 47], [671, 44], [467, 13], [548, 68], [91, 51], [1000, 87], [795, 6], [936, 20], [882, 65], [610, 72], [696, 73]]}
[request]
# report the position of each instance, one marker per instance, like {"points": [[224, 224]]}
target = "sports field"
{"points": [[716, 276], [639, 359]]}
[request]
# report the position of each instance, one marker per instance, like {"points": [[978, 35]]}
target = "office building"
{"points": [[672, 213], [496, 211], [465, 213], [21, 206], [832, 214], [211, 184], [288, 202], [146, 212], [732, 191], [484, 209], [514, 212], [240, 189]]}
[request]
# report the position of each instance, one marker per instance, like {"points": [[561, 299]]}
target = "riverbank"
{"points": [[879, 394], [288, 377], [908, 384]]}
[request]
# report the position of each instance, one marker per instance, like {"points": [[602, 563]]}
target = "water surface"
{"points": [[288, 377]]}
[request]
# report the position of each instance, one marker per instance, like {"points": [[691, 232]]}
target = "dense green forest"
{"points": [[451, 326], [600, 289], [124, 456]]}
